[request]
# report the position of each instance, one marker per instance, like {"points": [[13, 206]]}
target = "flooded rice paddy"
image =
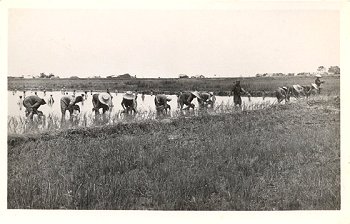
{"points": [[145, 108]]}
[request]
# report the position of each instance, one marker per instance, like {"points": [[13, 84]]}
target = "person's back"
{"points": [[186, 99], [205, 96], [32, 100], [160, 99]]}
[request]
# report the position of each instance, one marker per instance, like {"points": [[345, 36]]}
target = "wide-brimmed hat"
{"points": [[298, 87], [105, 98], [168, 98], [196, 93], [129, 95], [314, 85], [318, 76], [211, 93], [285, 88]]}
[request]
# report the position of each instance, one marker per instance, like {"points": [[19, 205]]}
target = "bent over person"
{"points": [[32, 104], [282, 94], [129, 102], [101, 100], [186, 99], [206, 99], [161, 102], [69, 103]]}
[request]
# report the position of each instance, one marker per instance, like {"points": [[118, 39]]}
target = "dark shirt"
{"points": [[237, 90], [127, 103], [318, 82]]}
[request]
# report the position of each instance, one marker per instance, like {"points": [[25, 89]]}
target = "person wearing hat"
{"points": [[206, 99], [236, 91], [318, 83], [129, 102], [282, 93], [186, 99], [297, 90], [69, 103], [101, 100], [161, 102], [32, 104]]}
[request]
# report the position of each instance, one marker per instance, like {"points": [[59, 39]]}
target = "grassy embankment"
{"points": [[221, 86], [284, 157]]}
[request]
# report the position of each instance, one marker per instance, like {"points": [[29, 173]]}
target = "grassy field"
{"points": [[285, 157], [221, 86]]}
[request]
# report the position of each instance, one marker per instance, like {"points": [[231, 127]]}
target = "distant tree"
{"points": [[74, 77], [42, 75], [125, 76], [334, 70], [321, 68], [50, 76]]}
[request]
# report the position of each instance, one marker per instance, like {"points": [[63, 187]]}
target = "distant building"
{"points": [[125, 76], [182, 76]]}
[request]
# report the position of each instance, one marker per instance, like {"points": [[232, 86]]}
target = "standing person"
{"points": [[129, 103], [83, 96], [74, 92], [318, 83], [186, 99], [178, 99], [69, 103], [86, 94], [44, 92], [116, 92], [237, 90], [101, 100], [50, 101], [32, 104], [161, 103], [24, 94], [91, 92], [143, 96], [20, 102]]}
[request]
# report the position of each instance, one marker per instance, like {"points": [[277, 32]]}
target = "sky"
{"points": [[166, 43]]}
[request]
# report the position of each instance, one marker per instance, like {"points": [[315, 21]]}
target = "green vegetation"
{"points": [[221, 86], [285, 157]]}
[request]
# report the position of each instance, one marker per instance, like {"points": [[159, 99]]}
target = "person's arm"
{"points": [[36, 105], [122, 103], [245, 92]]}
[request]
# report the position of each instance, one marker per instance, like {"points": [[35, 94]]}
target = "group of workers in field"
{"points": [[129, 102], [285, 92]]}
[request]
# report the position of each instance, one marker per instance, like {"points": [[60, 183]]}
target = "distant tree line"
{"points": [[332, 70]]}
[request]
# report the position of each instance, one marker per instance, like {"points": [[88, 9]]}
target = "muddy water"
{"points": [[144, 104]]}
